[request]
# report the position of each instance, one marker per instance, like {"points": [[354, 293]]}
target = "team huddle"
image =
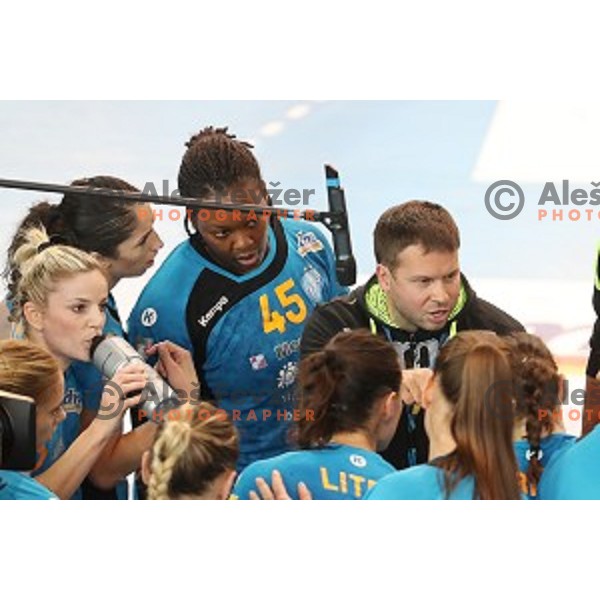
{"points": [[291, 386]]}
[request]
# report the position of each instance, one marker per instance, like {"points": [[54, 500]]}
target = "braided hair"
{"points": [[190, 452], [216, 161], [538, 388]]}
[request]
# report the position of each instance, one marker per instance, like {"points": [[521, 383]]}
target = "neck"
{"points": [[520, 429], [440, 445], [38, 339], [358, 439]]}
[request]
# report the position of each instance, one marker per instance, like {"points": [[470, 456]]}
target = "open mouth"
{"points": [[439, 316], [250, 259]]}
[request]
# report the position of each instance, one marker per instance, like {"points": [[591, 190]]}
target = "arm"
{"points": [[66, 475], [123, 454]]}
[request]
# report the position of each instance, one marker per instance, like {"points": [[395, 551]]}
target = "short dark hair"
{"points": [[214, 161], [415, 222]]}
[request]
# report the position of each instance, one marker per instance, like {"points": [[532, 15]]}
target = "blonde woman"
{"points": [[193, 457], [59, 304]]}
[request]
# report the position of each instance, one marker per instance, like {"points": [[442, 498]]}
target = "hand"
{"points": [[414, 384], [176, 365], [115, 401], [277, 491]]}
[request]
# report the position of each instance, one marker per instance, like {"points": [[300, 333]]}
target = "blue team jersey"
{"points": [[334, 472], [423, 482], [15, 485], [83, 389], [575, 474], [243, 330], [91, 381], [551, 448]]}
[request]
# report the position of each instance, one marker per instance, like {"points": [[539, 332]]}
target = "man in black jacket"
{"points": [[417, 299]]}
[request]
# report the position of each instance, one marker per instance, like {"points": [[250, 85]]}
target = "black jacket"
{"points": [[417, 349]]}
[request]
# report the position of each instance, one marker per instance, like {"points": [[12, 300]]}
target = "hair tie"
{"points": [[534, 453], [43, 246]]}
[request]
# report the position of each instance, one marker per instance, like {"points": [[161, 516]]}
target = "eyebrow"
{"points": [[146, 235], [104, 299]]}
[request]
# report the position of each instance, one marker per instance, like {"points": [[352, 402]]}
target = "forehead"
{"points": [[413, 259], [91, 285], [144, 218]]}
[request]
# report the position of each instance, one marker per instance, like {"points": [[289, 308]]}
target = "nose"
{"points": [[97, 320], [242, 242], [62, 415], [439, 292], [158, 243]]}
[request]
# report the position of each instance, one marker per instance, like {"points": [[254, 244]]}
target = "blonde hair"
{"points": [[190, 452], [37, 265], [28, 370]]}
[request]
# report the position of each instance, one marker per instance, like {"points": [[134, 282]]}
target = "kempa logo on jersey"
{"points": [[217, 308], [505, 200]]}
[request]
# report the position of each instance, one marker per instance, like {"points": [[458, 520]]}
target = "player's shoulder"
{"points": [[405, 484], [304, 236]]}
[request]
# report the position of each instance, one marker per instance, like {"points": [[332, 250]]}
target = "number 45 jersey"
{"points": [[243, 330]]}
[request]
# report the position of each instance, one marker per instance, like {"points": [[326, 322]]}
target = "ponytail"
{"points": [[340, 385], [475, 377]]}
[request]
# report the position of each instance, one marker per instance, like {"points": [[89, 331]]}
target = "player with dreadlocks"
{"points": [[238, 292]]}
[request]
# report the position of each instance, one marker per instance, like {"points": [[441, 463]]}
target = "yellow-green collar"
{"points": [[377, 304]]}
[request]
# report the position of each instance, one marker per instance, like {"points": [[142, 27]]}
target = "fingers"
{"points": [[414, 384], [279, 487], [304, 492], [264, 489]]}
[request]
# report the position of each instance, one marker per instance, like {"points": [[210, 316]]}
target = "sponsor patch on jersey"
{"points": [[149, 317], [312, 284], [72, 401], [308, 242], [258, 362], [285, 349], [204, 320], [357, 460], [287, 375]]}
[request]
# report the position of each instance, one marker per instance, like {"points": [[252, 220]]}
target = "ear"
{"points": [[227, 485], [390, 406], [146, 472], [34, 315], [428, 392], [383, 276]]}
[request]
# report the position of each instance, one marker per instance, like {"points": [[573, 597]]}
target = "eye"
{"points": [[252, 224], [103, 306], [221, 234], [78, 308]]}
